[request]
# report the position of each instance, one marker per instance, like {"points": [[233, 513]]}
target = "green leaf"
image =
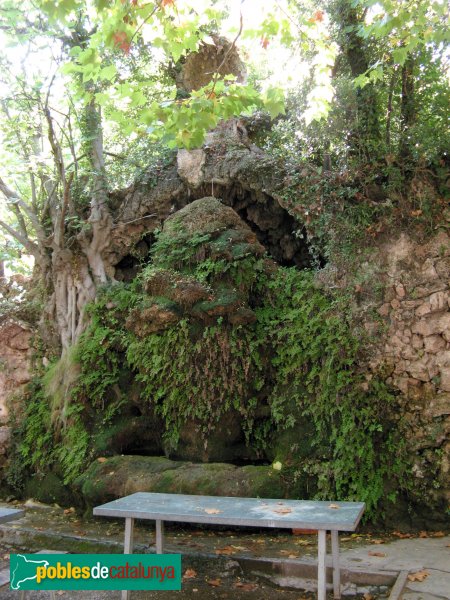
{"points": [[400, 55], [102, 4], [274, 102], [108, 72], [138, 98]]}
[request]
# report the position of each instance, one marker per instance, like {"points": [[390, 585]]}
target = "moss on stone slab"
{"points": [[48, 489], [122, 475]]}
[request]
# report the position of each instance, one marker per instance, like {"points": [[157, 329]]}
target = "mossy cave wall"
{"points": [[225, 359]]}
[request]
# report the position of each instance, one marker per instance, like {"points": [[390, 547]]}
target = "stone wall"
{"points": [[416, 353], [14, 371]]}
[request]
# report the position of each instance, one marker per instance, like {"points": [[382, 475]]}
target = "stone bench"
{"points": [[253, 512]]}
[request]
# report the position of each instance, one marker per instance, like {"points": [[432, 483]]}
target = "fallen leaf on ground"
{"points": [[377, 541], [418, 575], [212, 511], [283, 510], [226, 550], [288, 553], [69, 511], [380, 554], [368, 596], [423, 534], [438, 534], [214, 582], [189, 574], [333, 506], [247, 587], [6, 557], [401, 535], [102, 459], [303, 543]]}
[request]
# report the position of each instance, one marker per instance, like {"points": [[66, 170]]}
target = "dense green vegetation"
{"points": [[358, 131], [300, 358]]}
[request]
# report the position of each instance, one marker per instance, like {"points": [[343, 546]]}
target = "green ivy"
{"points": [[198, 377], [315, 360], [299, 361]]}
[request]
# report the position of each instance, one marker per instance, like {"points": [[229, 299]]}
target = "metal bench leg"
{"points": [[159, 537], [321, 566], [128, 548], [336, 568]]}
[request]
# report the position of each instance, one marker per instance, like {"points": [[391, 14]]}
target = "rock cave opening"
{"points": [[131, 264], [286, 242], [284, 238]]}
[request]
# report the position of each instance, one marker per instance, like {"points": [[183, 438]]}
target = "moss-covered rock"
{"points": [[225, 443], [153, 317], [122, 475], [183, 290], [49, 489], [128, 433]]}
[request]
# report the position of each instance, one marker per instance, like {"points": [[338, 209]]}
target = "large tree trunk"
{"points": [[76, 275]]}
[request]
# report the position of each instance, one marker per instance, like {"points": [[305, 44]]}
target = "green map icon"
{"points": [[24, 569]]}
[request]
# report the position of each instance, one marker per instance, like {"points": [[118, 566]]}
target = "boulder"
{"points": [[122, 475], [210, 218], [155, 317], [182, 290], [209, 234]]}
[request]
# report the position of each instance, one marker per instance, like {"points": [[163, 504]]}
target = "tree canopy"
{"points": [[91, 93]]}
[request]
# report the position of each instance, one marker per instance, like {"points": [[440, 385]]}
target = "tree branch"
{"points": [[56, 148], [20, 219], [25, 241], [16, 199], [228, 52]]}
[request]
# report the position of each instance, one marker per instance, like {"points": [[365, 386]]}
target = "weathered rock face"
{"points": [[173, 295], [205, 234], [14, 373], [122, 475], [416, 352], [244, 178]]}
